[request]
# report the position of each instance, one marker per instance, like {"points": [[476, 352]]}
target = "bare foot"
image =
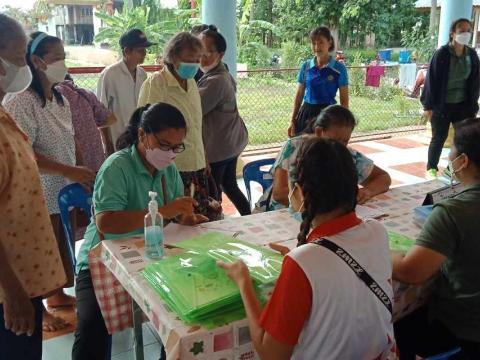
{"points": [[52, 323], [60, 299]]}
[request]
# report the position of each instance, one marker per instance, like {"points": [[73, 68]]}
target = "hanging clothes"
{"points": [[374, 72]]}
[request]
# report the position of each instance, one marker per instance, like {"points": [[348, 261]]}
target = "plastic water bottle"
{"points": [[153, 230]]}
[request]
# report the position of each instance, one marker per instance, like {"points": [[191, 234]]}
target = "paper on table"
{"points": [[175, 232], [365, 212]]}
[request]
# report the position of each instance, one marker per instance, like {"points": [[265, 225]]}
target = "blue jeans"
{"points": [[13, 347]]}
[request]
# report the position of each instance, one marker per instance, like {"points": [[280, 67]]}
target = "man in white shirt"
{"points": [[119, 84]]}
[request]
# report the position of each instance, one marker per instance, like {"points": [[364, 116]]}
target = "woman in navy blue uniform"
{"points": [[319, 79]]}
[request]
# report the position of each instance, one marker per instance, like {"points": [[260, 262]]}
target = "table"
{"points": [[116, 266]]}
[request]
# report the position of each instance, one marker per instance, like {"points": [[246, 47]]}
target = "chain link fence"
{"points": [[265, 101]]}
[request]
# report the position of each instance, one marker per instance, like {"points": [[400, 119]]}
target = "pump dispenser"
{"points": [[153, 229]]}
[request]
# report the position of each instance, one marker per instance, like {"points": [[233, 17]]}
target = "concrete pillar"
{"points": [[223, 14], [476, 18], [452, 10]]}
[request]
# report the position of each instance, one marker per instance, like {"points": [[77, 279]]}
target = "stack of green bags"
{"points": [[399, 242], [200, 292]]}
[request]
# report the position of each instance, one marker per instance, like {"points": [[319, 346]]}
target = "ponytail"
{"points": [[130, 136]]}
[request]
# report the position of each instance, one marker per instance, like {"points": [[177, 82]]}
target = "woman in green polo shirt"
{"points": [[145, 163], [449, 246]]}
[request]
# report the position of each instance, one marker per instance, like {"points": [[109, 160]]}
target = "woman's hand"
{"points": [[427, 114], [280, 248], [19, 314], [236, 271], [192, 219], [82, 175], [364, 195], [291, 129], [182, 206]]}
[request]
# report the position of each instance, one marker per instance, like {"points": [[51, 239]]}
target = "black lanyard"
{"points": [[358, 270]]}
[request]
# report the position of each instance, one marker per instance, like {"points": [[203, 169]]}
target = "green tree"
{"points": [[116, 25]]}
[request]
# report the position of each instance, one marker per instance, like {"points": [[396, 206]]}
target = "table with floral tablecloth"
{"points": [[116, 272]]}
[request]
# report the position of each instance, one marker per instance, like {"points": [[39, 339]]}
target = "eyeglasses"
{"points": [[176, 149]]}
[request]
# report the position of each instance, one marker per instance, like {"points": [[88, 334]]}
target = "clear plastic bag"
{"points": [[194, 286], [399, 242], [264, 264]]}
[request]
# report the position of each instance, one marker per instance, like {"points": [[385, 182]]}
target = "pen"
{"points": [[192, 190]]}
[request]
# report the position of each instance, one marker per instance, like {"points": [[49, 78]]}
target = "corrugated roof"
{"points": [[75, 2], [425, 4]]}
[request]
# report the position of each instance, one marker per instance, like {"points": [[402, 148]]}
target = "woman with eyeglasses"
{"points": [[145, 162]]}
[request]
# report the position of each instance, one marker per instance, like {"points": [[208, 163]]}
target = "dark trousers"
{"points": [[416, 335], [92, 341], [440, 122], [13, 347], [225, 174]]}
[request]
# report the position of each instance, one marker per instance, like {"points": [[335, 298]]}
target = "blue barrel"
{"points": [[404, 57], [385, 54]]}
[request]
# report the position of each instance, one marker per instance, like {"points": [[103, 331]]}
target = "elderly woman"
{"points": [[224, 133], [175, 85]]}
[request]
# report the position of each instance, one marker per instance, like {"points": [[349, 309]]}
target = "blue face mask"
{"points": [[187, 70], [297, 215]]}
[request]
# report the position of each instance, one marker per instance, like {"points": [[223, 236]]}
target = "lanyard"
{"points": [[358, 270]]}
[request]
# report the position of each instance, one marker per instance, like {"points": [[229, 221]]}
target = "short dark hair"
{"points": [[328, 179], [454, 25], [42, 48], [335, 116], [179, 42], [198, 29], [10, 29], [152, 119], [323, 31], [217, 38], [467, 139]]}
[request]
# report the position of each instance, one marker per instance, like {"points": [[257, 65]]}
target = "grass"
{"points": [[267, 109], [265, 103]]}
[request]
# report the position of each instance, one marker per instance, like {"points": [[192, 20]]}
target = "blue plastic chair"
{"points": [[73, 196], [445, 356], [252, 172]]}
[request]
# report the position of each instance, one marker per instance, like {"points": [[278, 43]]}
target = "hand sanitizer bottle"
{"points": [[153, 229]]}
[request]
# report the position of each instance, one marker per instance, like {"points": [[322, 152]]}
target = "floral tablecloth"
{"points": [[116, 267]]}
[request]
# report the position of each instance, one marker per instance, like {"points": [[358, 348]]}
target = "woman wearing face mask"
{"points": [[337, 123], [175, 85], [154, 138], [319, 79], [320, 309], [27, 275], [45, 116], [449, 245], [224, 133], [452, 88]]}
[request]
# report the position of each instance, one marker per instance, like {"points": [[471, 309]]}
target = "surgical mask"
{"points": [[187, 70], [56, 71], [16, 78], [297, 215], [452, 170], [206, 69], [463, 38], [158, 158]]}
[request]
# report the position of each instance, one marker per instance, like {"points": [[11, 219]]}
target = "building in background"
{"points": [[74, 22]]}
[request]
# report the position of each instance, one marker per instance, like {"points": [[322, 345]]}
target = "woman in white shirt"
{"points": [[320, 308], [44, 114]]}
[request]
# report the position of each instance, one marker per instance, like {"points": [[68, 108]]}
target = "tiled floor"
{"points": [[403, 158]]}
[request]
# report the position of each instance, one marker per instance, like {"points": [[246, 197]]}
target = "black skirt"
{"points": [[306, 115]]}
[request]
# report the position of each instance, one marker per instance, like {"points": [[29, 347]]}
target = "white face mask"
{"points": [[56, 71], [16, 79], [206, 69], [463, 38], [452, 170]]}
